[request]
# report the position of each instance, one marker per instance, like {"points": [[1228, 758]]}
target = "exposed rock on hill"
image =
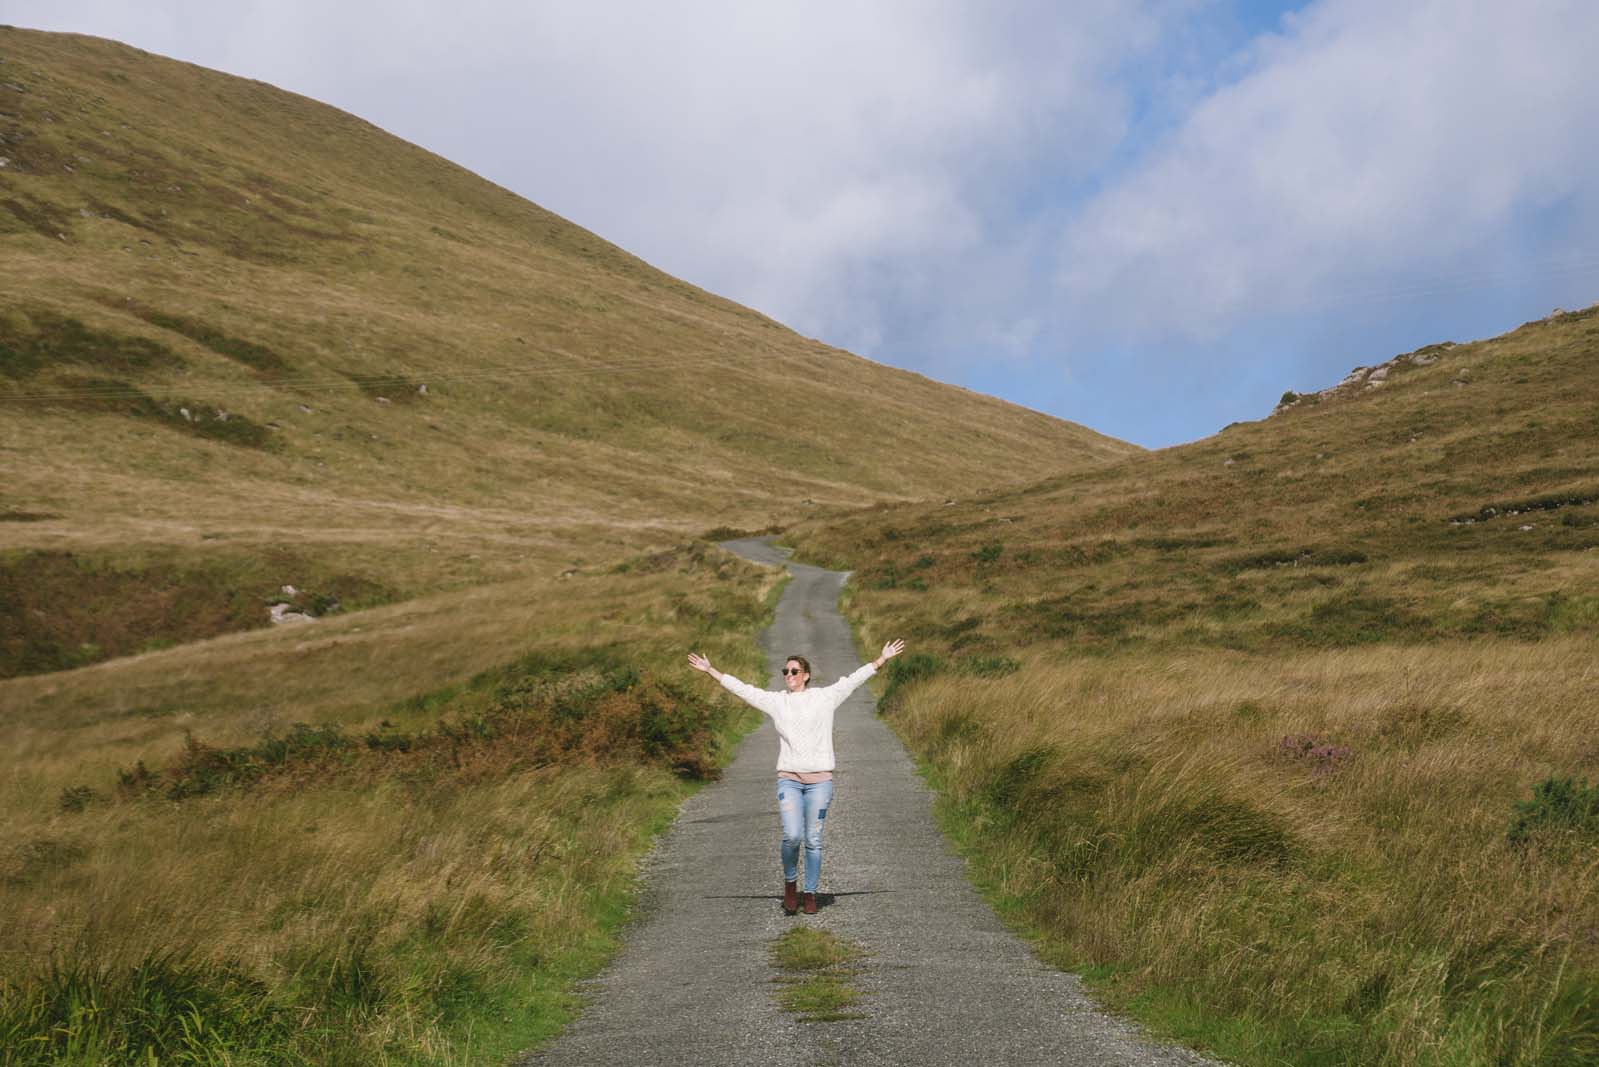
{"points": [[1363, 380]]}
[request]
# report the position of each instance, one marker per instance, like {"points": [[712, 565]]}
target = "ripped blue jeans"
{"points": [[802, 810]]}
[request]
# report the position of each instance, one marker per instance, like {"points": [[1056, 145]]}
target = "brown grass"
{"points": [[1313, 843], [433, 901], [198, 241], [1242, 727]]}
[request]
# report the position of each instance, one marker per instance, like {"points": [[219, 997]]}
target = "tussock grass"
{"points": [[385, 921], [248, 341], [1304, 844], [1294, 759], [818, 967], [416, 875]]}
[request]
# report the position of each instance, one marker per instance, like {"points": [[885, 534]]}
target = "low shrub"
{"points": [[1354, 618], [60, 610], [537, 713], [723, 533], [1558, 806], [988, 666], [903, 671], [75, 798], [36, 339], [1545, 502], [989, 553], [1320, 755]]}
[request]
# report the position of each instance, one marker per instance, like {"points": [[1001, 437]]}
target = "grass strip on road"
{"points": [[819, 969]]}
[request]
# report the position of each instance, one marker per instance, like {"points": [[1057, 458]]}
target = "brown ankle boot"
{"points": [[808, 902], [790, 897]]}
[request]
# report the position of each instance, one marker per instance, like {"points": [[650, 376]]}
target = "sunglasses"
{"points": [[792, 670]]}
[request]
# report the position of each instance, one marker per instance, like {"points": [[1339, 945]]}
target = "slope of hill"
{"points": [[1288, 735], [1457, 498], [255, 350], [239, 323]]}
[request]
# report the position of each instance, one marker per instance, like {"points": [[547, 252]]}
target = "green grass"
{"points": [[417, 880], [1288, 756], [65, 609], [450, 380], [479, 982], [1105, 666], [1244, 915], [818, 970], [248, 341]]}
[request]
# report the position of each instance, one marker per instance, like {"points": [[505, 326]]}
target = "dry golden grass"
{"points": [[177, 237], [1317, 843], [481, 417], [1243, 726], [407, 910], [493, 889], [77, 726]]}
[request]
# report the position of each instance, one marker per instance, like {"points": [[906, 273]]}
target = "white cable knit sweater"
{"points": [[804, 720]]}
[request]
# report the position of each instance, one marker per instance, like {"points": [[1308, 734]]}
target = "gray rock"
{"points": [[280, 614]]}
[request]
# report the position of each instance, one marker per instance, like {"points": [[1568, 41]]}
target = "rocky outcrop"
{"points": [[1364, 379], [286, 608], [280, 613]]}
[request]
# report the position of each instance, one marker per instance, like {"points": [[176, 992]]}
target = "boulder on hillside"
{"points": [[280, 614]]}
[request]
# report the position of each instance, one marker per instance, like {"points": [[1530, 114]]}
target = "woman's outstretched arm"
{"points": [[760, 699], [841, 689]]}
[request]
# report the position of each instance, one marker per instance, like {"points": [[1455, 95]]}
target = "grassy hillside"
{"points": [[238, 324], [1287, 736], [255, 352], [315, 850]]}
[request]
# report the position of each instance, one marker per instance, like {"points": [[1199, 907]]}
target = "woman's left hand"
{"points": [[890, 650]]}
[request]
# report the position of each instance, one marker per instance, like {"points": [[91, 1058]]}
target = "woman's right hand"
{"points": [[700, 663]]}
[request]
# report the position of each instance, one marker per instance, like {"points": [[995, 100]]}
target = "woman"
{"points": [[804, 721]]}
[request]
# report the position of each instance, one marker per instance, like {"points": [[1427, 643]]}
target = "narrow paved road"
{"points": [[945, 982]]}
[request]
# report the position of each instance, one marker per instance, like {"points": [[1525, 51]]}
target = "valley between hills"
{"points": [[1285, 739]]}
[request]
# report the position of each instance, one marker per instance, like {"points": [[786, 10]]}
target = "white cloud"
{"points": [[819, 161], [1038, 198], [1370, 147]]}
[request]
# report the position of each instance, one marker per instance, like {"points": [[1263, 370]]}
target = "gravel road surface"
{"points": [[946, 983]]}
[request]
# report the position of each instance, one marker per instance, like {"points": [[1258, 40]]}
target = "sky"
{"points": [[1151, 217]]}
